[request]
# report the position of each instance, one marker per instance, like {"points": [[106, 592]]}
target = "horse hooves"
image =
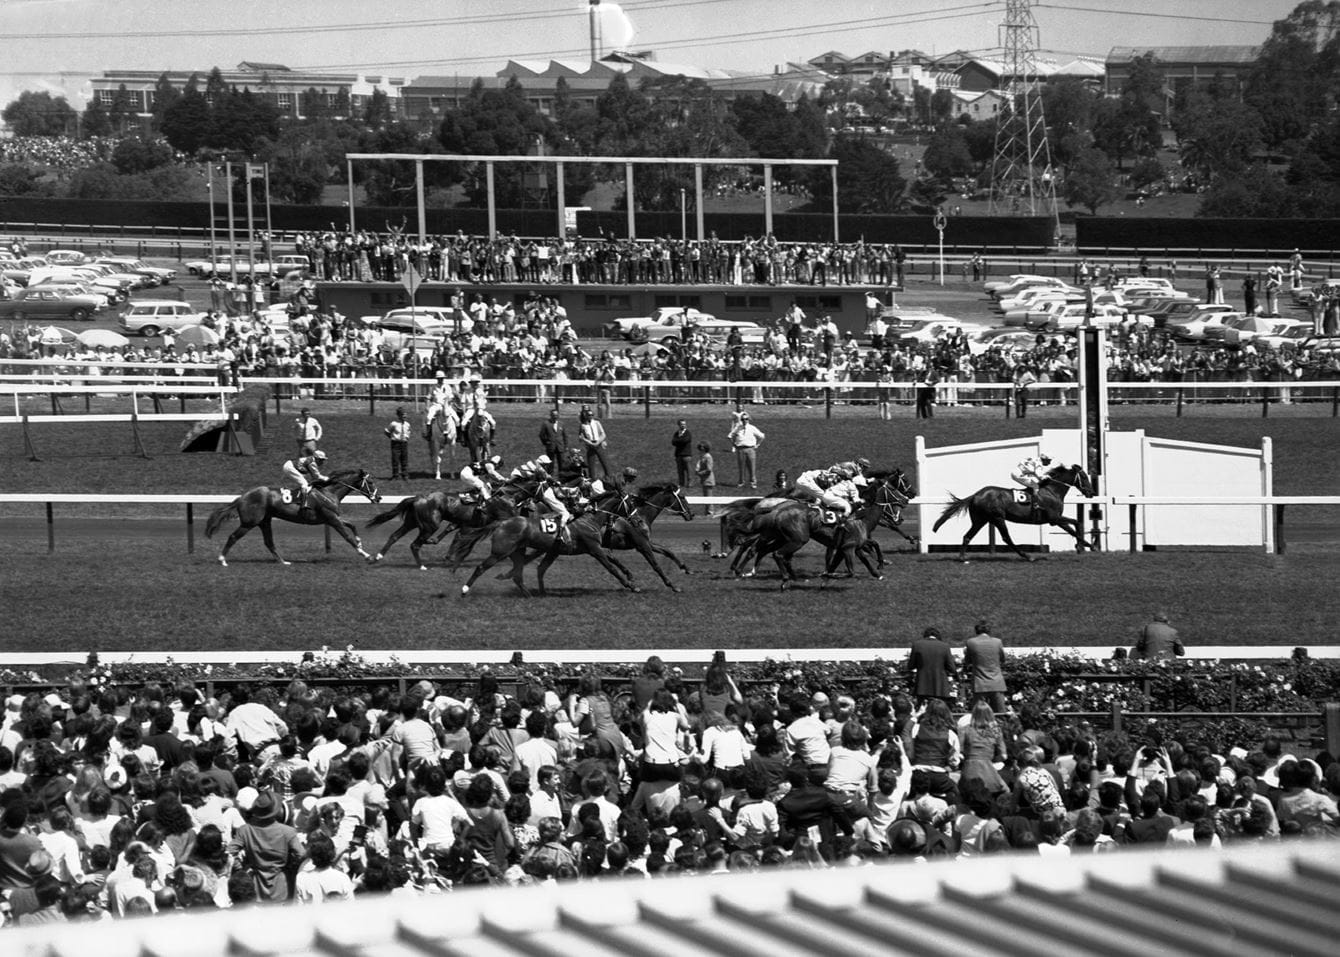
{"points": [[465, 589], [676, 589], [423, 568], [223, 561], [745, 575], [1029, 558], [284, 562]]}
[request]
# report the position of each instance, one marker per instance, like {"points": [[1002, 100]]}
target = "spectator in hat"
{"points": [[269, 849], [745, 438], [1158, 639]]}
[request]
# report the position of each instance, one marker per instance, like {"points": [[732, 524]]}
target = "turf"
{"points": [[135, 593]]}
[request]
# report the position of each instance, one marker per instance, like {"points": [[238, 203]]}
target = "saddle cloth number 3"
{"points": [[548, 525], [830, 517]]}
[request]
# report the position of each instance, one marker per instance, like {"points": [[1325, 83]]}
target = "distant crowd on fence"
{"points": [[121, 801], [58, 152], [369, 256]]}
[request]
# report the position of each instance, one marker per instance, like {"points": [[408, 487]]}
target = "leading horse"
{"points": [[995, 506], [262, 504]]}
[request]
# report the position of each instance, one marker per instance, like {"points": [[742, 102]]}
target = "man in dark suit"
{"points": [[982, 660], [931, 665], [1159, 640], [554, 437], [682, 443]]}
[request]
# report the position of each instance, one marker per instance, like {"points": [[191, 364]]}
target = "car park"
{"points": [[1204, 326], [151, 316], [1025, 297], [41, 303], [928, 329], [1002, 289], [673, 322], [1070, 316], [1273, 333], [75, 287]]}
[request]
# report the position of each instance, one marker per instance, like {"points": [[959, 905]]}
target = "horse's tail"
{"points": [[957, 506], [220, 515], [398, 511]]}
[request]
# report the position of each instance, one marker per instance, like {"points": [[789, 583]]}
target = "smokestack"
{"points": [[595, 30]]}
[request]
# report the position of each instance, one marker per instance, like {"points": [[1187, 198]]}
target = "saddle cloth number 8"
{"points": [[286, 496]]}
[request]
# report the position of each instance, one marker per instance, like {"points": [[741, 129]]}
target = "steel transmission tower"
{"points": [[1022, 179]]}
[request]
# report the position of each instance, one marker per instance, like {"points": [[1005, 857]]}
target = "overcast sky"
{"points": [[46, 38]]}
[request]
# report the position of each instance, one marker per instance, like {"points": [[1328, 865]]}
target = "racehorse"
{"points": [[440, 430], [477, 436], [441, 513], [882, 503], [995, 506], [631, 530], [512, 537], [781, 533], [263, 504]]}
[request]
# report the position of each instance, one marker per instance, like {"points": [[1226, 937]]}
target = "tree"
{"points": [[377, 111], [1069, 105], [136, 155], [1091, 182], [1295, 76], [186, 123], [17, 179], [1254, 192], [39, 114], [1146, 172], [869, 179], [500, 122], [164, 95], [941, 106], [95, 120], [1218, 136], [947, 155], [121, 112], [623, 113]]}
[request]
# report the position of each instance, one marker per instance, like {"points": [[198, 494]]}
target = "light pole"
{"points": [[940, 224], [683, 216]]}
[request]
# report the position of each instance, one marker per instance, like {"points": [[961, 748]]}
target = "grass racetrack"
{"points": [[130, 585]]}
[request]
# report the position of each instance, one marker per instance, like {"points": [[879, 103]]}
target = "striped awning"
{"points": [[1276, 900]]}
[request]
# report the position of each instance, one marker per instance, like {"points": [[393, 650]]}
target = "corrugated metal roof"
{"points": [[1277, 899], [1211, 54]]}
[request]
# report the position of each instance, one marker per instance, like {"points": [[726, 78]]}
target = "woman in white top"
{"points": [[724, 745], [852, 770]]}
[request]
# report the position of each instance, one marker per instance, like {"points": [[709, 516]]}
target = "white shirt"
{"points": [[436, 817]]}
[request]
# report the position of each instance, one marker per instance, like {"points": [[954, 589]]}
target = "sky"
{"points": [[56, 44]]}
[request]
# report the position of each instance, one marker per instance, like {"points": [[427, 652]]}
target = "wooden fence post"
{"points": [[1116, 715], [1331, 719]]}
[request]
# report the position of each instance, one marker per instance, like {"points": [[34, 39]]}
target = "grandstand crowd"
{"points": [[118, 801], [58, 152]]}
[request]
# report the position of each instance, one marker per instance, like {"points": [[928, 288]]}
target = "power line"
{"points": [[1146, 15], [843, 26]]}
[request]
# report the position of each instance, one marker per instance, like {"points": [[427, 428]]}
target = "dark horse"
{"points": [[263, 504], [995, 506], [441, 512], [512, 537], [631, 529]]}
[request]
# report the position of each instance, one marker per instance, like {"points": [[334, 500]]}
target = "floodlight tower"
{"points": [[1022, 178]]}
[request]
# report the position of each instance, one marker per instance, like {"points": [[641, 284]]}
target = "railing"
{"points": [[1275, 543]]}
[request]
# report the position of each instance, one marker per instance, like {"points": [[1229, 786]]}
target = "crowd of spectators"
{"points": [[58, 152], [116, 802], [368, 256]]}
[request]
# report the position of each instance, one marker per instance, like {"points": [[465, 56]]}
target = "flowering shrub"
{"points": [[1051, 684]]}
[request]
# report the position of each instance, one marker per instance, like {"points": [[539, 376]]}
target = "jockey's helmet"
{"points": [[863, 464], [319, 455], [496, 461], [544, 460], [1045, 459], [630, 473]]}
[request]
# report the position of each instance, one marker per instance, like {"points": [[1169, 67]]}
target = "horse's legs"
{"points": [[348, 533], [873, 546], [1075, 529], [1002, 526], [863, 553], [398, 534], [622, 577], [662, 550], [644, 547], [977, 522], [232, 540], [493, 559], [419, 541], [267, 532]]}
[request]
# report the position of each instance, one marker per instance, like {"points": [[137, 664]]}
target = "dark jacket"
{"points": [[682, 444], [932, 666]]}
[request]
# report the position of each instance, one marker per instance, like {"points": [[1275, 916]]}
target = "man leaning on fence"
{"points": [[1158, 639]]}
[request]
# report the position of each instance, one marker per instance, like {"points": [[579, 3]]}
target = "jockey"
{"points": [[1030, 473], [442, 397], [474, 401], [536, 468], [481, 476], [831, 487], [303, 470], [550, 493]]}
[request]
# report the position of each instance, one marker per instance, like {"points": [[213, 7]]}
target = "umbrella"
{"points": [[55, 335], [198, 336], [103, 337]]}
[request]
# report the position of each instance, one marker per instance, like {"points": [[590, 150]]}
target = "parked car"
{"points": [[1289, 332], [128, 264], [116, 290], [152, 316], [66, 257], [1147, 285], [1026, 296], [1204, 326], [931, 328], [290, 261], [38, 302], [1009, 340], [223, 266], [1050, 303], [670, 323], [75, 287], [421, 320], [1070, 316], [1002, 289]]}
